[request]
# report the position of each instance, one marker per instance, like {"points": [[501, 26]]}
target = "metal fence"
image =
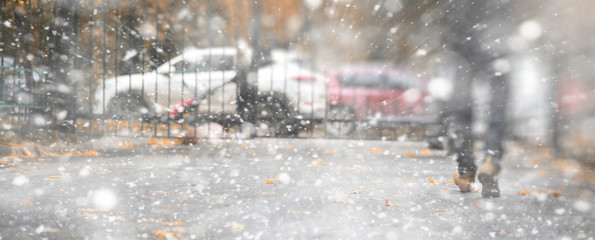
{"points": [[184, 69]]}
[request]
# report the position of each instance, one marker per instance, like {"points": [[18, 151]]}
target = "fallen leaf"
{"points": [[476, 203], [387, 203], [376, 150], [159, 234], [318, 160], [410, 154], [269, 182], [449, 182], [404, 179], [26, 202], [523, 192], [161, 191], [50, 230], [28, 153], [355, 166], [432, 180], [235, 226], [556, 193], [425, 152], [288, 147], [179, 223], [331, 151], [360, 191], [14, 156], [338, 201]]}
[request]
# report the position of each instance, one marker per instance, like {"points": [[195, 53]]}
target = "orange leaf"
{"points": [[159, 234], [387, 203], [318, 160], [28, 153], [360, 191], [161, 191], [410, 154], [376, 150], [288, 147], [26, 202], [269, 182], [338, 201], [404, 179], [355, 166], [476, 203], [331, 151], [432, 180], [524, 192], [425, 152]]}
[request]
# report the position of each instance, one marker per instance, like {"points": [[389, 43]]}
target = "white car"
{"points": [[206, 74]]}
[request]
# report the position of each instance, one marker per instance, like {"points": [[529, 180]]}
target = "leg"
{"points": [[461, 142], [488, 173], [460, 137]]}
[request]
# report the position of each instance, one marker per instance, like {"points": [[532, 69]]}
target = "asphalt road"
{"points": [[287, 189]]}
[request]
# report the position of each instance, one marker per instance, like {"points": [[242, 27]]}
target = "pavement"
{"points": [[284, 189]]}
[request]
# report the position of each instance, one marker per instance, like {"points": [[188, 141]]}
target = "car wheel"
{"points": [[128, 106], [270, 117], [273, 118], [339, 121]]}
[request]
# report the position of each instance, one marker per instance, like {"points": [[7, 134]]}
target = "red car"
{"points": [[376, 93]]}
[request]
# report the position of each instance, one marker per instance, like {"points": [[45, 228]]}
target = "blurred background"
{"points": [[545, 48]]}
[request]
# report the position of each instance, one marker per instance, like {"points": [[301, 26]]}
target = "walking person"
{"points": [[477, 34]]}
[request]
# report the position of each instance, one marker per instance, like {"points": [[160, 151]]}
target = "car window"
{"points": [[400, 82], [209, 63], [221, 63], [362, 80]]}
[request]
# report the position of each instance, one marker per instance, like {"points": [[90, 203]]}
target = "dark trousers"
{"points": [[460, 121]]}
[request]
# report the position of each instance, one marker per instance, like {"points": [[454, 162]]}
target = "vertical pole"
{"points": [[209, 61], [74, 62], [170, 44], [256, 25], [105, 6], [90, 99]]}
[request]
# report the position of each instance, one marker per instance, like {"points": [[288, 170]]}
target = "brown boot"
{"points": [[488, 176], [464, 181]]}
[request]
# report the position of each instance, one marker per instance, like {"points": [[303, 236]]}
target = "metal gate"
{"points": [[186, 70]]}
